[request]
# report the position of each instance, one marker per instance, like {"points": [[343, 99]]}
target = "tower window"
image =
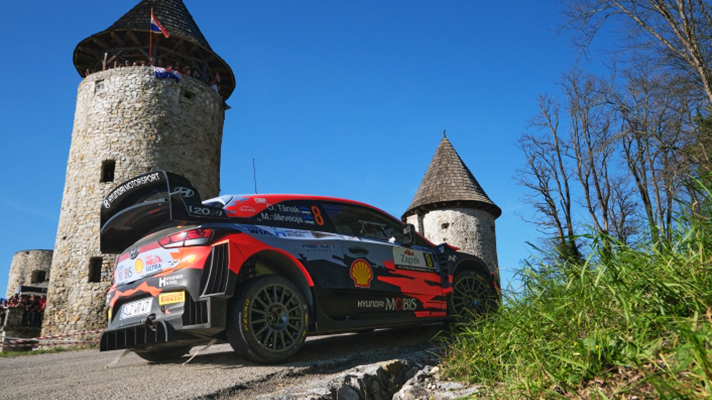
{"points": [[95, 269], [445, 225], [38, 276], [107, 170], [188, 95], [98, 86]]}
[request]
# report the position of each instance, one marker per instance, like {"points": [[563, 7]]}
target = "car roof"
{"points": [[278, 197], [247, 205], [259, 201], [274, 198]]}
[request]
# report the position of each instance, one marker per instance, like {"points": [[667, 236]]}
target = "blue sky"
{"points": [[338, 98]]}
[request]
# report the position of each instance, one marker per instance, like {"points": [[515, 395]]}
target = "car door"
{"points": [[387, 276]]}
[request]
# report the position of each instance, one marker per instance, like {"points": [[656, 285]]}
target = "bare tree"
{"points": [[679, 31], [592, 143], [656, 130], [548, 177], [624, 211]]}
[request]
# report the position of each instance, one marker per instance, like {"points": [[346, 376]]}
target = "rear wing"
{"points": [[145, 202]]}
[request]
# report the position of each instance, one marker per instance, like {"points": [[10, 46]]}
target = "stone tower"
{"points": [[29, 268], [127, 122], [450, 206]]}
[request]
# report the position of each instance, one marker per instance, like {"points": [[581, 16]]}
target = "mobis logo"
{"points": [[400, 304]]}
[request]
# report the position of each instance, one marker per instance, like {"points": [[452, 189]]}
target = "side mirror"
{"points": [[409, 233]]}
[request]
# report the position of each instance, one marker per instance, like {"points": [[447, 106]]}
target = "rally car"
{"points": [[264, 271]]}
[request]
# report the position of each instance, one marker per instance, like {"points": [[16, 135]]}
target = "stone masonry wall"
{"points": [[469, 229], [141, 123], [24, 263]]}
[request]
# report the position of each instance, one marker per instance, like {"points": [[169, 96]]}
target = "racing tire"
{"points": [[162, 354], [473, 294], [268, 320]]}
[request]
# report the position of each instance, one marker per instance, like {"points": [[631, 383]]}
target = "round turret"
{"points": [[127, 122], [451, 206], [29, 268]]}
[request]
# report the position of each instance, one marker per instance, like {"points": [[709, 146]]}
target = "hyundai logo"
{"points": [[184, 191], [133, 253]]}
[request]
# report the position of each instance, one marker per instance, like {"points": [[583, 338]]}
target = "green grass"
{"points": [[634, 323], [29, 353]]}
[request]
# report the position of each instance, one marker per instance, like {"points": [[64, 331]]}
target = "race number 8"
{"points": [[317, 215]]}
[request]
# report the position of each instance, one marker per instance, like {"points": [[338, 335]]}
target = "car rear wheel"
{"points": [[472, 293], [268, 320], [162, 354]]}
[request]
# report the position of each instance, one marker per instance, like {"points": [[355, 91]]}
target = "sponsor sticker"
{"points": [[401, 304], [371, 304], [256, 230], [318, 247], [390, 304], [361, 273], [153, 263], [292, 233], [141, 180], [147, 263], [411, 259], [171, 298], [123, 272], [138, 266], [169, 280]]}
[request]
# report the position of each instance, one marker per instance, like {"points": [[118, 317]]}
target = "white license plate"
{"points": [[135, 308]]}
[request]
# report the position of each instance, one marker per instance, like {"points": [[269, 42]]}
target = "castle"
{"points": [[128, 122]]}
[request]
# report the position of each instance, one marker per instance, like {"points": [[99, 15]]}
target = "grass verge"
{"points": [[633, 324], [34, 352]]}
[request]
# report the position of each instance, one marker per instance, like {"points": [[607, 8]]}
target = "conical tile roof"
{"points": [[449, 183], [128, 39], [172, 14]]}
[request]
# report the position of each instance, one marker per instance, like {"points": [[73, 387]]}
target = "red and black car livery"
{"points": [[264, 271]]}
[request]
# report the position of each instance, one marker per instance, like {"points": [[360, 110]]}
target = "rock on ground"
{"points": [[412, 377]]}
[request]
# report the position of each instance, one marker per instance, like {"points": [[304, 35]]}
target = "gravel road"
{"points": [[214, 374]]}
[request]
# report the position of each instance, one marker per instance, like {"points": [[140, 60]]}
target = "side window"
{"points": [[295, 215], [359, 221]]}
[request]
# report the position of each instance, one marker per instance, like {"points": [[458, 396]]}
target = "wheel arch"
{"points": [[272, 262], [473, 264]]}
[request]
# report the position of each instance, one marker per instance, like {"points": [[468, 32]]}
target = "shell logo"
{"points": [[361, 273], [138, 265]]}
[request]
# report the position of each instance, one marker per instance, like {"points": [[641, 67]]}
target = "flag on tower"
{"points": [[156, 26]]}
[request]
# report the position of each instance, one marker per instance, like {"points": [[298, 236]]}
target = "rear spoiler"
{"points": [[145, 202]]}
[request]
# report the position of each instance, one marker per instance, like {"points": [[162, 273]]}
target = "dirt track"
{"points": [[215, 374]]}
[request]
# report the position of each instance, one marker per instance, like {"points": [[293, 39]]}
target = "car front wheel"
{"points": [[268, 319], [472, 293]]}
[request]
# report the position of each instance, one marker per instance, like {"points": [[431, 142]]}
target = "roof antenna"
{"points": [[254, 174], [444, 137]]}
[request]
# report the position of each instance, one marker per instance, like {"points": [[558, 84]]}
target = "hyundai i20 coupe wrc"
{"points": [[264, 271]]}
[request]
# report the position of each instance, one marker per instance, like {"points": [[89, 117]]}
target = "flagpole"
{"points": [[150, 41]]}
